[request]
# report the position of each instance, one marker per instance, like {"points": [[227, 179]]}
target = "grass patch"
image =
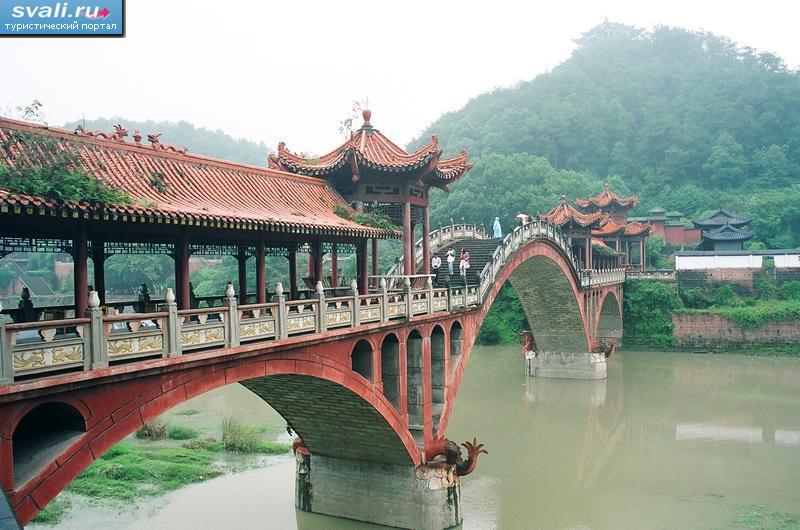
{"points": [[53, 512], [756, 315], [125, 472], [152, 430], [761, 517], [238, 438], [181, 432], [188, 412], [207, 444]]}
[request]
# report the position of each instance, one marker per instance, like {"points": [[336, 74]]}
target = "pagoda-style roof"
{"points": [[613, 228], [728, 233], [606, 199], [609, 228], [169, 185], [565, 213], [635, 228], [720, 218], [369, 148]]}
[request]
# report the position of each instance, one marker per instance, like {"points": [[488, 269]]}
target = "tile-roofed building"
{"points": [[725, 237], [626, 237], [577, 226], [169, 201], [378, 176], [719, 218], [610, 203], [722, 230], [170, 185]]}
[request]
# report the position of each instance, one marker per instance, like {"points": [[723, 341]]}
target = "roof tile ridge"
{"points": [[71, 137]]}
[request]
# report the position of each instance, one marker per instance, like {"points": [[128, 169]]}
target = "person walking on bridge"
{"points": [[497, 230], [463, 263], [451, 258]]}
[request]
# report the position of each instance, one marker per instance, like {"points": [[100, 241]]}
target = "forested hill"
{"points": [[199, 140], [689, 121]]}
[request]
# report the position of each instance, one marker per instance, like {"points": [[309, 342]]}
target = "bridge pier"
{"points": [[399, 496], [566, 365]]}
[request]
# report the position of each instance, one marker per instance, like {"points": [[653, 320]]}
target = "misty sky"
{"points": [[290, 70]]}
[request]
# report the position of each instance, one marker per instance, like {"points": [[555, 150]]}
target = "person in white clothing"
{"points": [[451, 259]]}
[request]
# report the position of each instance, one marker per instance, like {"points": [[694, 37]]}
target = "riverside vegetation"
{"points": [[165, 458]]}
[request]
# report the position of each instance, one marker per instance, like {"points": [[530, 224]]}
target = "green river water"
{"points": [[670, 440]]}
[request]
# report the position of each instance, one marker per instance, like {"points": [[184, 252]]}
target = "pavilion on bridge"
{"points": [[377, 176], [627, 238], [182, 205]]}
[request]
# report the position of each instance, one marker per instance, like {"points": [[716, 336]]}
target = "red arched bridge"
{"points": [[368, 380]]}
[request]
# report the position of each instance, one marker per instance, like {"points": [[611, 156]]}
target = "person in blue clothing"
{"points": [[497, 230]]}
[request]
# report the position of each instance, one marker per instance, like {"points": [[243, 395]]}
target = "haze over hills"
{"points": [[689, 121], [199, 139]]}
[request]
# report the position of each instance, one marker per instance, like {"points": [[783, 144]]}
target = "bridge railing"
{"points": [[37, 349], [538, 228]]}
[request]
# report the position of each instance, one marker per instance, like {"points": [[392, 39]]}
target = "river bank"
{"points": [[226, 431]]}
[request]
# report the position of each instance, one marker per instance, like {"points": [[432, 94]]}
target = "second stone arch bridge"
{"points": [[368, 381]]}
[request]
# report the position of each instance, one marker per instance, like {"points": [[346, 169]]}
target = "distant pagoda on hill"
{"points": [[606, 31]]}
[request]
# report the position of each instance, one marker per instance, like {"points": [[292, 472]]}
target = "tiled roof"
{"points": [[631, 228], [165, 182], [728, 233], [566, 213], [610, 227], [635, 228], [607, 198], [721, 218], [370, 148], [600, 243]]}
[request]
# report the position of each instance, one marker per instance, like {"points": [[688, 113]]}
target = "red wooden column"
{"points": [[292, 257], [361, 262], [182, 271], [427, 391], [426, 243], [261, 271], [99, 261], [80, 252], [241, 261], [334, 266], [408, 240], [375, 261]]}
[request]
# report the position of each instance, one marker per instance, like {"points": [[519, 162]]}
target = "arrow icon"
{"points": [[103, 13]]}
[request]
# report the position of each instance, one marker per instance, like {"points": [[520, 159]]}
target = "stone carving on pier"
{"points": [[441, 446]]}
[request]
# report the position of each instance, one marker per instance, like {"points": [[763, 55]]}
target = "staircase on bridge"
{"points": [[480, 253]]}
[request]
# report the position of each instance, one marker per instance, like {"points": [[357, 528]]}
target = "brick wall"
{"points": [[742, 280], [713, 331]]}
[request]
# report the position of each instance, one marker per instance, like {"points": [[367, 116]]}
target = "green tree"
{"points": [[727, 164]]}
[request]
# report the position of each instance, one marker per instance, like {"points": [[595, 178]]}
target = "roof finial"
{"points": [[606, 185], [563, 199], [367, 114]]}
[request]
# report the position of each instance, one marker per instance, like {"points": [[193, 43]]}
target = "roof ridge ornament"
{"points": [[366, 114]]}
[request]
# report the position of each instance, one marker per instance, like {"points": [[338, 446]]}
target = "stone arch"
{"points": [[390, 369], [41, 435], [456, 347], [414, 395], [361, 360], [609, 319], [438, 380], [551, 301]]}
